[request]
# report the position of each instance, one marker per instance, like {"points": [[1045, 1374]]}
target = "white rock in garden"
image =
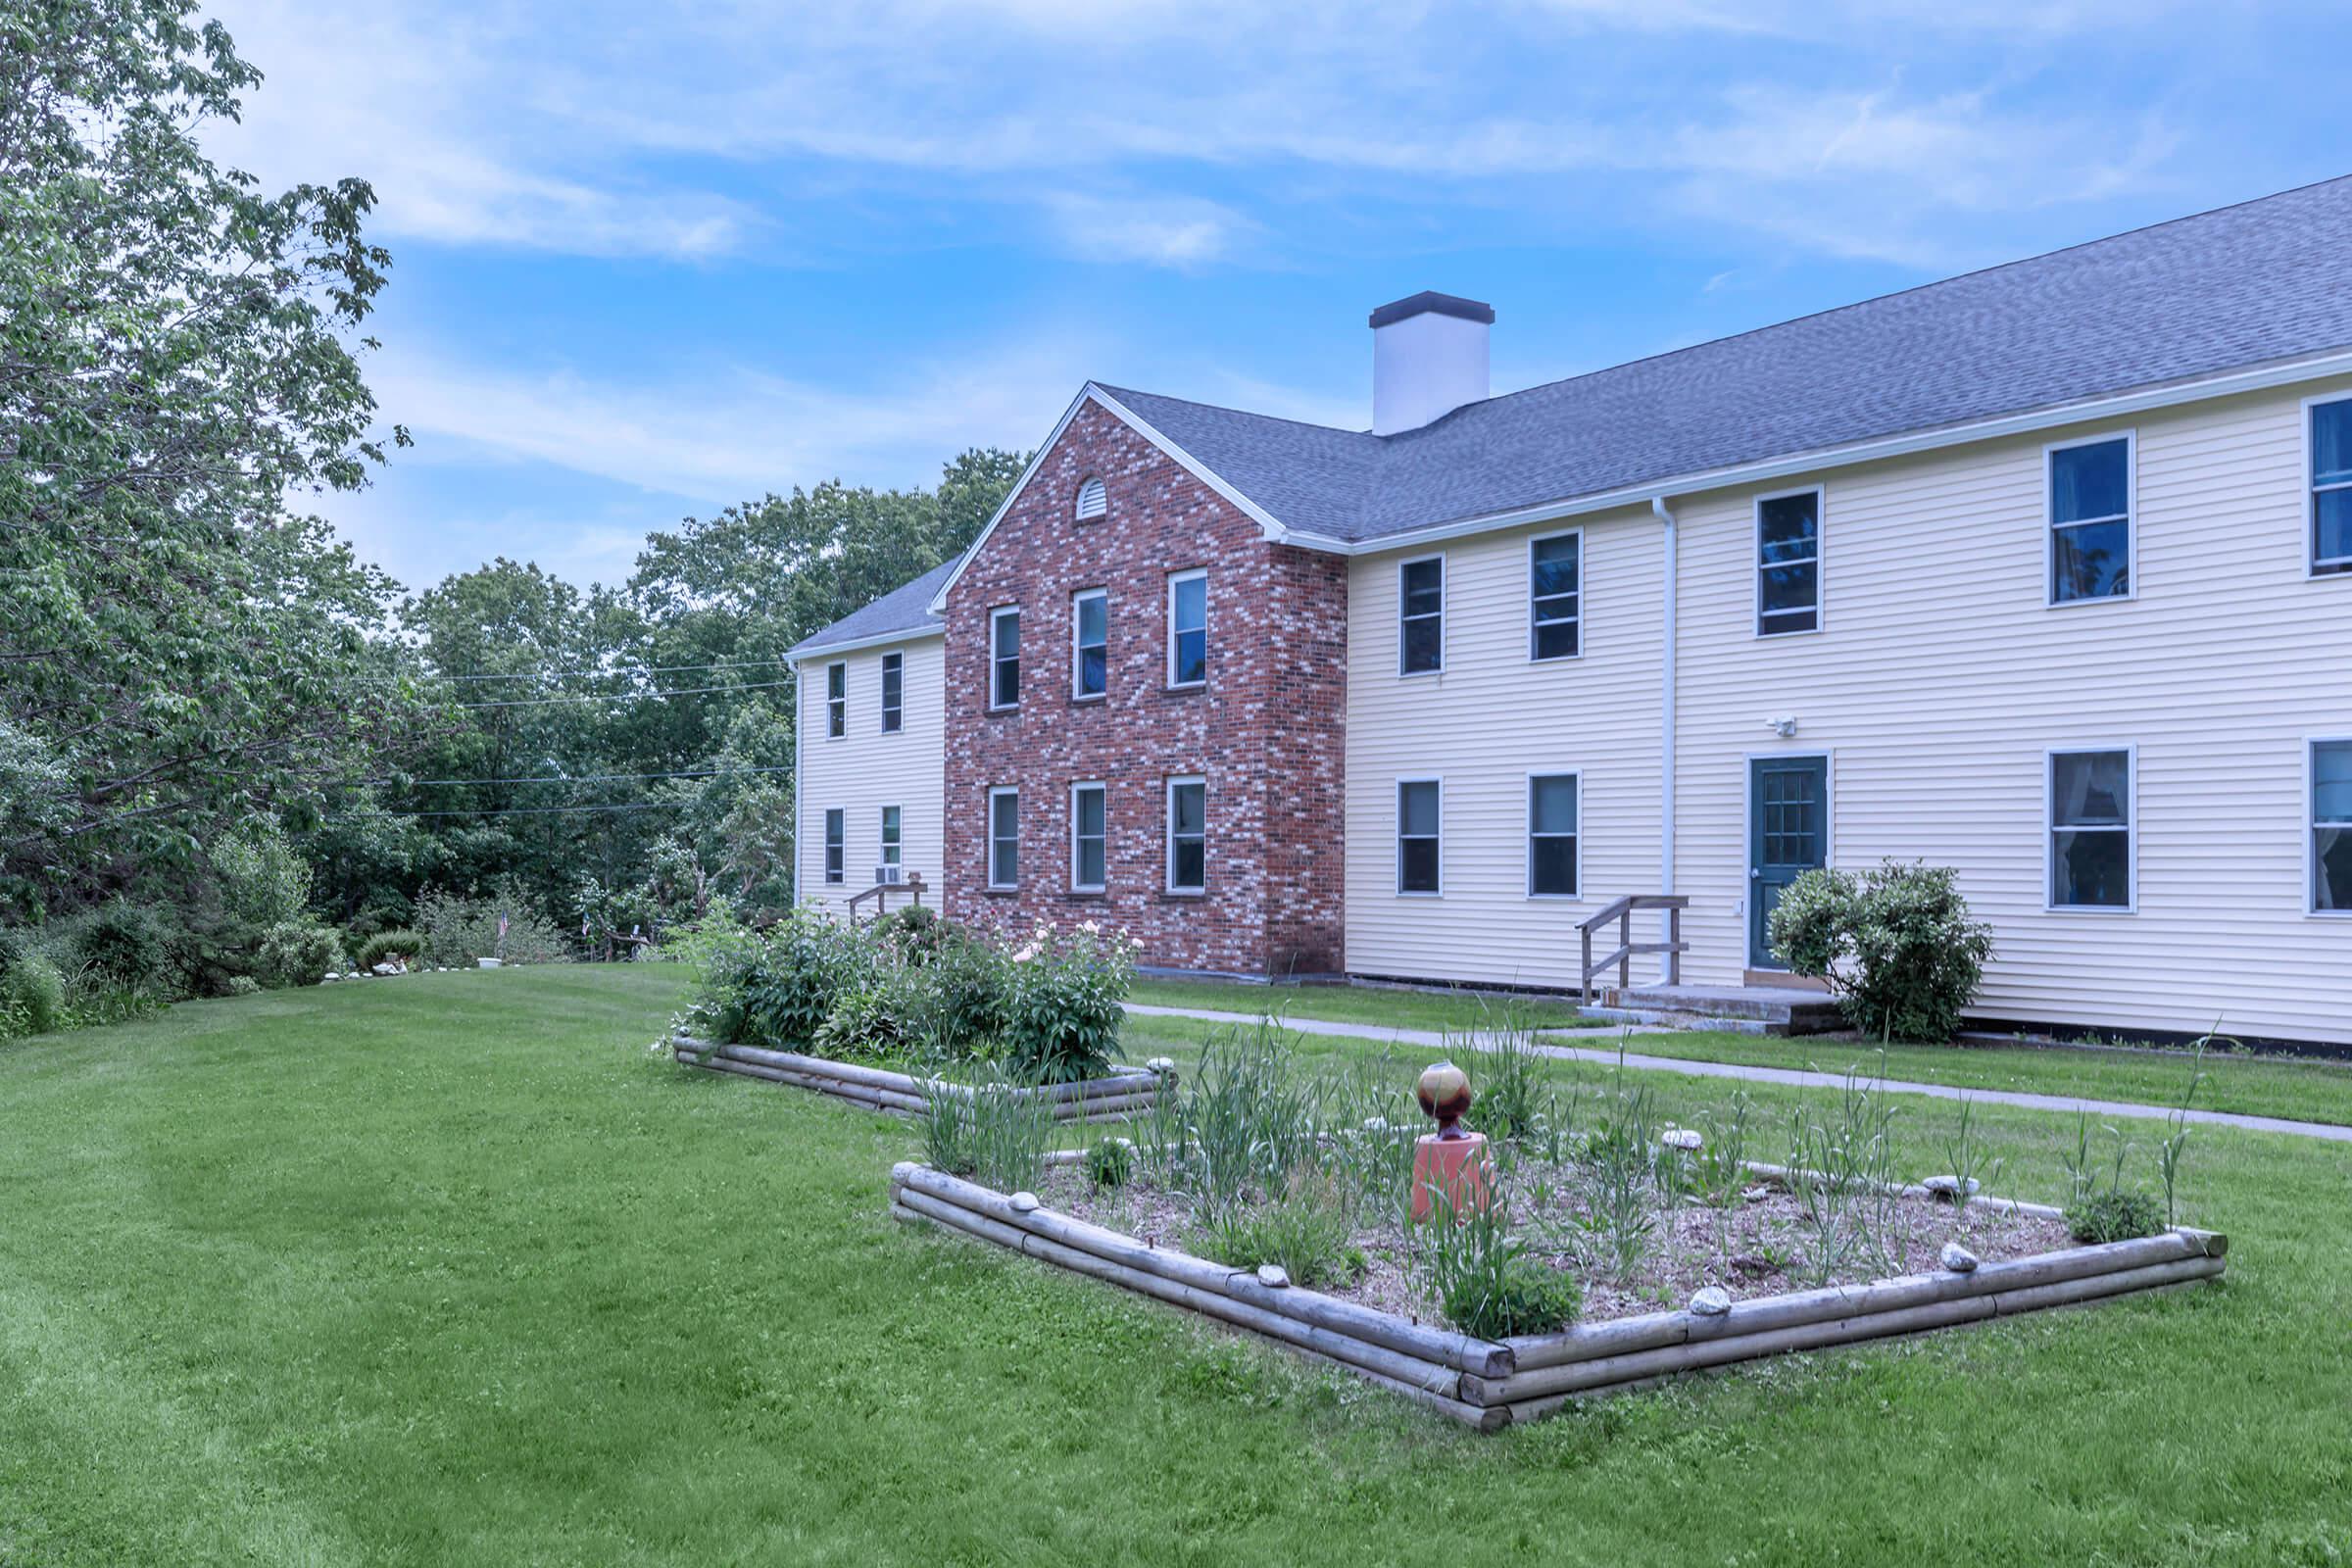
{"points": [[1711, 1302], [1947, 1188], [1024, 1202], [1682, 1137], [1957, 1258], [486, 963], [1273, 1276], [1160, 1066], [1376, 1124]]}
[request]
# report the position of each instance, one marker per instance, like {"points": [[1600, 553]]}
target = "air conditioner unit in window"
{"points": [[888, 875]]}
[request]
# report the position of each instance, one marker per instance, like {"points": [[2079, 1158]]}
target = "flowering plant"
{"points": [[1063, 996]]}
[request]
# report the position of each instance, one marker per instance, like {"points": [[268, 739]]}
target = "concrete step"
{"points": [[1770, 1009]]}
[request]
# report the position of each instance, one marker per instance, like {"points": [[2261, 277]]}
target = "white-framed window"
{"points": [[2330, 763], [1003, 837], [892, 822], [1090, 643], [1188, 628], [1005, 657], [2088, 491], [835, 844], [1090, 838], [1421, 616], [1094, 499], [1554, 860], [1555, 595], [1420, 828], [1789, 561], [2327, 497], [837, 701], [1188, 835], [894, 687], [2093, 832]]}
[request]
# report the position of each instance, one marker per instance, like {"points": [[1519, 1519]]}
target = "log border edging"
{"points": [[1111, 1098]]}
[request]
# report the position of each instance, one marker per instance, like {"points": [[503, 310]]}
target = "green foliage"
{"points": [[1064, 1003], [2114, 1216], [1109, 1162], [1484, 1280], [1896, 943], [1307, 1231], [126, 944], [296, 953], [32, 997], [988, 1131], [386, 947], [244, 985], [458, 929], [262, 880], [778, 989]]}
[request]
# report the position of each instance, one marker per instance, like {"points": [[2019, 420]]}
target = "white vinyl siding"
{"points": [[872, 768]]}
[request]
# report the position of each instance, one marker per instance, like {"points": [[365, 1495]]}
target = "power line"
{"points": [[509, 811], [627, 697], [605, 778], [593, 674]]}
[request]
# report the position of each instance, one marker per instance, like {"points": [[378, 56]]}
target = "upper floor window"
{"points": [[894, 682], [1090, 643], [1188, 628], [1004, 658], [1088, 838], [1551, 836], [1555, 595], [2091, 519], [1003, 838], [2091, 829], [1188, 835], [834, 845], [1788, 564], [1421, 616], [1094, 499], [2331, 826], [2331, 487], [837, 701], [891, 822], [1418, 827]]}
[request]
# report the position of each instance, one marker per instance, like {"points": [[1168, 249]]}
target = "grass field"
{"points": [[448, 1269], [1394, 1009]]}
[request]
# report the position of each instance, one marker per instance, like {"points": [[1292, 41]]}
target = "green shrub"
{"points": [[387, 946], [1896, 943], [296, 953], [917, 932], [1062, 1005], [873, 1018], [990, 1132], [1307, 1232], [1485, 1282], [964, 984], [778, 990], [244, 985], [33, 996], [2114, 1216], [458, 929], [1109, 1163], [262, 880], [129, 945]]}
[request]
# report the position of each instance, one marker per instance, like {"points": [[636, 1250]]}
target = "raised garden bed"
{"points": [[1110, 1098], [1488, 1383]]}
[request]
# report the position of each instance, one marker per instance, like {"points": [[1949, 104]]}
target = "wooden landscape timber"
{"points": [[1110, 1099], [1488, 1383]]}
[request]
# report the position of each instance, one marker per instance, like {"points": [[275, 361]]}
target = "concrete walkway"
{"points": [[1792, 1077]]}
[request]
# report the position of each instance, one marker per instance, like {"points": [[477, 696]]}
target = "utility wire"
{"points": [[509, 811], [537, 674], [605, 778], [627, 697]]}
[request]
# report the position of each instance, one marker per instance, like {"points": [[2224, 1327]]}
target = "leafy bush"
{"points": [[1110, 1163], [244, 985], [32, 997], [458, 929], [1485, 1282], [386, 947], [1307, 1232], [1896, 943], [698, 939], [917, 931], [296, 953], [874, 1018], [964, 984], [2114, 1216], [1062, 1007], [779, 988], [262, 880], [129, 945]]}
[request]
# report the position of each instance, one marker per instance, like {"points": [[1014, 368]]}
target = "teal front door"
{"points": [[1788, 835]]}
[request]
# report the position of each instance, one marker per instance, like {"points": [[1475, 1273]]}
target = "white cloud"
{"points": [[1157, 231]]}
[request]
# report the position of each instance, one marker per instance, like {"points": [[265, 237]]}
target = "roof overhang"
{"points": [[880, 639]]}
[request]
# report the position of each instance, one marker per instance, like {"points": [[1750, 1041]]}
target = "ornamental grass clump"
{"points": [[1307, 1231], [1483, 1278]]}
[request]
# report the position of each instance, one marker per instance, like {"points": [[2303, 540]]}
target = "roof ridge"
{"points": [[1224, 408]]}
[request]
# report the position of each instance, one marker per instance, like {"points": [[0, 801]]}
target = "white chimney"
{"points": [[1429, 357]]}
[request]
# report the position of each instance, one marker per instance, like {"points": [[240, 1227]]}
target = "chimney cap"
{"points": [[1430, 301]]}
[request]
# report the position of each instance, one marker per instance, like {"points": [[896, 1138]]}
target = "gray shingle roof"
{"points": [[2224, 290], [905, 608]]}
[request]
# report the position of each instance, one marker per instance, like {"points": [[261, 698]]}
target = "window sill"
{"points": [[998, 712], [1420, 674], [1182, 895], [1084, 895], [2093, 599], [1190, 689], [2103, 911], [1001, 893], [1409, 893], [1089, 699]]}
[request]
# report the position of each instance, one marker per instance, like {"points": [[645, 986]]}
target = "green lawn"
{"points": [[448, 1269], [1396, 1009]]}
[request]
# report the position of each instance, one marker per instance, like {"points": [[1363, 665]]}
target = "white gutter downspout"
{"points": [[1666, 720]]}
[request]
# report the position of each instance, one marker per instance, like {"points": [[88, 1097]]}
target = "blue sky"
{"points": [[652, 260]]}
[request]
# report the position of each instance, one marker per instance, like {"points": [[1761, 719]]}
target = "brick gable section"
{"points": [[1266, 732]]}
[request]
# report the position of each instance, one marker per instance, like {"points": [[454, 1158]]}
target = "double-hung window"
{"points": [[2091, 519], [1555, 595], [1188, 628], [837, 701], [1551, 835], [2331, 487], [2090, 832], [2331, 826], [1089, 839], [891, 824], [1418, 817], [1003, 837], [1788, 563], [834, 845], [1188, 835], [894, 686], [1421, 616], [1005, 657], [1090, 643]]}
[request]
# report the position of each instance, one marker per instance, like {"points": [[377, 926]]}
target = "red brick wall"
{"points": [[1266, 731]]}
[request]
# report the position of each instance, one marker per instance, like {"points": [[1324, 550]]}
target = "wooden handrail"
{"points": [[880, 893], [1622, 912]]}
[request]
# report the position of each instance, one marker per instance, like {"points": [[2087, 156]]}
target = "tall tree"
{"points": [[176, 357]]}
